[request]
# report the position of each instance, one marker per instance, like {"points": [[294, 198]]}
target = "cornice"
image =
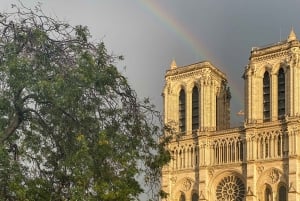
{"points": [[270, 56], [201, 68], [273, 50]]}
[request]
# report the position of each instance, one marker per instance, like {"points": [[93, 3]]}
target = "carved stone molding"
{"points": [[173, 179], [231, 188], [211, 172], [186, 184], [260, 169], [273, 176], [249, 192], [169, 89], [292, 188], [201, 196]]}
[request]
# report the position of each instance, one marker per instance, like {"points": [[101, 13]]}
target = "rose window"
{"points": [[230, 188]]}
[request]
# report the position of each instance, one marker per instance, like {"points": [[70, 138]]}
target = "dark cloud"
{"points": [[227, 29]]}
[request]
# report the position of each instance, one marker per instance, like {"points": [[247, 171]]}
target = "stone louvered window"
{"points": [[266, 97], [281, 93], [182, 111], [195, 108]]}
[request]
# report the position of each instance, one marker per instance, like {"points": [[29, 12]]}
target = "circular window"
{"points": [[230, 188]]}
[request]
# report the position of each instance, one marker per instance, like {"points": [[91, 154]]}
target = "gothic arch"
{"points": [[228, 184], [265, 68], [279, 65], [178, 88], [267, 192], [192, 84], [184, 186], [180, 196], [272, 178], [194, 196], [182, 110], [282, 192]]}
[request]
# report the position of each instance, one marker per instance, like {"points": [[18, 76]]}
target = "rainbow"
{"points": [[175, 26], [194, 42]]}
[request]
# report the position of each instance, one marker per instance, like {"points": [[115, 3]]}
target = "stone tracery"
{"points": [[259, 155], [230, 188]]}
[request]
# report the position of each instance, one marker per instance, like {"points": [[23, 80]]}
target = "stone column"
{"points": [[274, 97]]}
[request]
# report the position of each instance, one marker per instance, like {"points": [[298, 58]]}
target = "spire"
{"points": [[173, 64], [292, 35]]}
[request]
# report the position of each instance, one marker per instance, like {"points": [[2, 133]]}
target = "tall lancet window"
{"points": [[182, 197], [282, 193], [281, 93], [195, 108], [182, 110], [268, 194], [266, 98]]}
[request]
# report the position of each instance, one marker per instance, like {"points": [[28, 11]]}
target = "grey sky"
{"points": [[151, 33]]}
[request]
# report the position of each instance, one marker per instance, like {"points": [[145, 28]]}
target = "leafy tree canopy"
{"points": [[71, 127]]}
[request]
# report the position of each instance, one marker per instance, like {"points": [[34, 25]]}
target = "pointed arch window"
{"points": [[281, 93], [268, 194], [279, 144], [195, 197], [266, 96], [182, 197], [182, 110], [282, 193], [195, 108]]}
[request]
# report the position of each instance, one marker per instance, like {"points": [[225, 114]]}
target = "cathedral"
{"points": [[259, 161]]}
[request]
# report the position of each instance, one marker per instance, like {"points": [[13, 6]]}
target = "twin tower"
{"points": [[196, 97], [258, 161]]}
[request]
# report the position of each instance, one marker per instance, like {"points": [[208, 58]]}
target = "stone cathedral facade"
{"points": [[259, 161]]}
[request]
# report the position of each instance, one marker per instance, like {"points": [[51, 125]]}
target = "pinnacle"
{"points": [[173, 64], [292, 35]]}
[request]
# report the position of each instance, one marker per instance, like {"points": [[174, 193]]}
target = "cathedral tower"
{"points": [[257, 161], [272, 87], [196, 97]]}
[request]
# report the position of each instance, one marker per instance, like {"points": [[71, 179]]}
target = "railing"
{"points": [[233, 146]]}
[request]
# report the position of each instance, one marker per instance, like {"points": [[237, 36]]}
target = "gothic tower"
{"points": [[196, 97], [255, 162], [272, 81], [272, 108]]}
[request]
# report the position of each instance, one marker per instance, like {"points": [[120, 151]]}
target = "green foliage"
{"points": [[71, 128]]}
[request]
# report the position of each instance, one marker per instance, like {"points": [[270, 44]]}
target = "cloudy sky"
{"points": [[150, 33]]}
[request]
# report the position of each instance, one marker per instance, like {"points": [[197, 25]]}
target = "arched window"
{"points": [[225, 153], [180, 159], [231, 188], [281, 93], [268, 194], [266, 96], [261, 151], [182, 111], [195, 197], [282, 193], [196, 155], [216, 153], [241, 151], [279, 144], [266, 148], [182, 197], [195, 108]]}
